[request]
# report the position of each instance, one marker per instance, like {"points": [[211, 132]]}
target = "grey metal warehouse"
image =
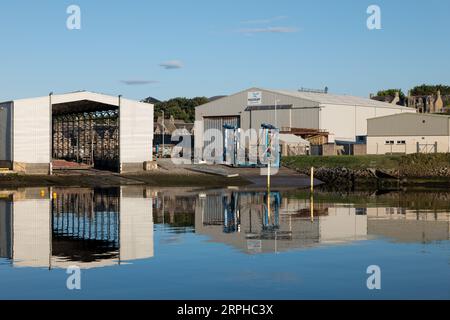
{"points": [[343, 117], [102, 131], [409, 133]]}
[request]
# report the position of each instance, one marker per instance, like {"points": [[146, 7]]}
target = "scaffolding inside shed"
{"points": [[87, 137]]}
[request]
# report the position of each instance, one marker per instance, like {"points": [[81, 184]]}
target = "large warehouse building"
{"points": [[409, 133], [105, 132], [343, 117]]}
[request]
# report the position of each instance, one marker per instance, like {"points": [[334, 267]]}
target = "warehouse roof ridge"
{"points": [[413, 114], [328, 98], [319, 98]]}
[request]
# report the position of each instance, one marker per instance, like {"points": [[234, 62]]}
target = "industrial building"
{"points": [[341, 119], [408, 133], [86, 128]]}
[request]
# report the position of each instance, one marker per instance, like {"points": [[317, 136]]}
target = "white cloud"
{"points": [[138, 82], [265, 21], [250, 31], [172, 64]]}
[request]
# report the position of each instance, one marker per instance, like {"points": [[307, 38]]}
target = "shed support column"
{"points": [[118, 128]]}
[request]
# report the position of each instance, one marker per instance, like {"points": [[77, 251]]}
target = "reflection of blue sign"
{"points": [[254, 245], [272, 221], [254, 98]]}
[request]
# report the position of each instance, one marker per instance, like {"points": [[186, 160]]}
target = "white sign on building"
{"points": [[254, 98]]}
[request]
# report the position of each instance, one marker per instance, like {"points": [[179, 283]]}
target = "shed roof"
{"points": [[328, 98], [409, 124], [70, 97], [417, 115], [314, 98], [292, 138]]}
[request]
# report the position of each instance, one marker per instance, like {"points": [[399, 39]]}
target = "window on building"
{"points": [[401, 142], [389, 142], [361, 139]]}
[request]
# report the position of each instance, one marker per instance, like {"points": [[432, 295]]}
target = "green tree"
{"points": [[391, 93], [425, 90], [180, 108]]}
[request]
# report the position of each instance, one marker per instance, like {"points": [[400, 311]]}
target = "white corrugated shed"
{"points": [[136, 132], [31, 125], [293, 139], [31, 130]]}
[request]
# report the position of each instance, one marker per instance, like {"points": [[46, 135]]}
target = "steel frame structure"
{"points": [[90, 138]]}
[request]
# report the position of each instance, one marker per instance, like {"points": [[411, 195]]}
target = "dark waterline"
{"points": [[136, 243]]}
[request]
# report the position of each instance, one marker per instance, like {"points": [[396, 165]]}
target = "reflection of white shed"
{"points": [[292, 145], [27, 231]]}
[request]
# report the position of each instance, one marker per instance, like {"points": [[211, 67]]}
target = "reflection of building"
{"points": [[287, 225], [84, 227], [242, 221], [5, 229], [404, 225]]}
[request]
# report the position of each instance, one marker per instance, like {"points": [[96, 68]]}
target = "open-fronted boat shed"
{"points": [[343, 117], [85, 128]]}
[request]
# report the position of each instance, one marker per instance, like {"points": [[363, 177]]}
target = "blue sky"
{"points": [[220, 47]]}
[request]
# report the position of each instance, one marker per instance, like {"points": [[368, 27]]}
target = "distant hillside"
{"points": [[180, 108]]}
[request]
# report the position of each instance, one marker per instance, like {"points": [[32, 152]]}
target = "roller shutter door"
{"points": [[218, 123]]}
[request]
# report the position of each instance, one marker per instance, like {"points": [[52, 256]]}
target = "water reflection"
{"points": [[57, 228], [260, 222], [294, 220]]}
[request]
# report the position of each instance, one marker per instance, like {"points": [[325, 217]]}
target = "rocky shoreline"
{"points": [[345, 178]]}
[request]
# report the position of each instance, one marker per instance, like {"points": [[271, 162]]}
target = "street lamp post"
{"points": [[276, 113], [163, 135]]}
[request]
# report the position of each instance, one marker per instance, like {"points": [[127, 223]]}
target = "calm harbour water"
{"points": [[135, 243]]}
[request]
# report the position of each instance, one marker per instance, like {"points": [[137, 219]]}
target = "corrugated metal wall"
{"points": [[5, 131], [346, 122], [307, 118], [217, 123], [136, 132], [32, 121], [305, 113], [237, 103], [409, 124]]}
